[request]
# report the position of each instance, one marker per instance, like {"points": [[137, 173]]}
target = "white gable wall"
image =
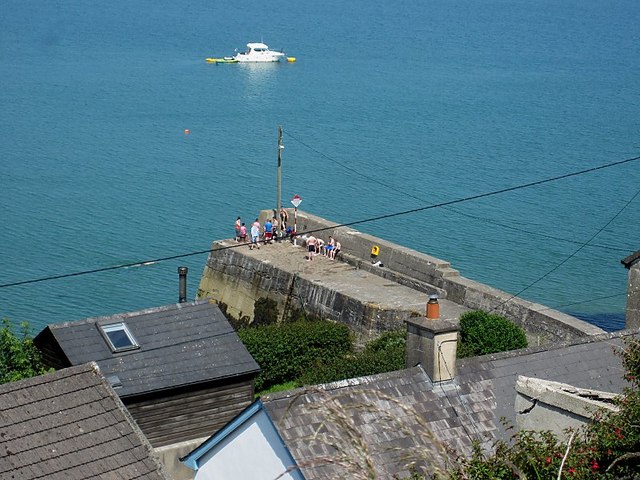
{"points": [[254, 450]]}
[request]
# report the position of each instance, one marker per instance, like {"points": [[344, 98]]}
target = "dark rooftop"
{"points": [[391, 421], [71, 425], [179, 345]]}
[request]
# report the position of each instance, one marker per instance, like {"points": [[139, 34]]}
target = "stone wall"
{"points": [[425, 272], [633, 297], [238, 280]]}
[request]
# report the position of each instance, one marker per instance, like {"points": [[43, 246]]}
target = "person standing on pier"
{"points": [[243, 233], [284, 218], [311, 247], [268, 231], [238, 225], [255, 235]]}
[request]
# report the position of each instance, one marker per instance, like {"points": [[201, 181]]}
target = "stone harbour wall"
{"points": [[238, 280], [424, 272]]}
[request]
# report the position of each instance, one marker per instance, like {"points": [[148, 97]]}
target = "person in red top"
{"points": [[243, 233]]}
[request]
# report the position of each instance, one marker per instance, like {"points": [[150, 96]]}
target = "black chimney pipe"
{"points": [[182, 271]]}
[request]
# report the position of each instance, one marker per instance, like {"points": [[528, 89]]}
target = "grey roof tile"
{"points": [[405, 412], [70, 424], [180, 345]]}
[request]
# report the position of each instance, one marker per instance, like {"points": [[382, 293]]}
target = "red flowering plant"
{"points": [[616, 435], [607, 448]]}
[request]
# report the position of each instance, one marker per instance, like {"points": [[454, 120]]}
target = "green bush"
{"points": [[285, 351], [384, 354], [19, 357], [394, 343], [482, 333]]}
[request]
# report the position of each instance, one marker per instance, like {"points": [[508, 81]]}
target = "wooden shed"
{"points": [[181, 370]]}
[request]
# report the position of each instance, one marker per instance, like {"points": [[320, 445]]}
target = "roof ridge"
{"points": [[348, 382], [602, 337], [126, 315]]}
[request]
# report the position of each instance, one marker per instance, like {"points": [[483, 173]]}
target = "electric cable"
{"points": [[347, 224], [395, 189], [569, 257], [595, 299]]}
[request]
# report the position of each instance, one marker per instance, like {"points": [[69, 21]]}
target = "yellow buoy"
{"points": [[291, 59]]}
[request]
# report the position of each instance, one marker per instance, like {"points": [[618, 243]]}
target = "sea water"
{"points": [[120, 145]]}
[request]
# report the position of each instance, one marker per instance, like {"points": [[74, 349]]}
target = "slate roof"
{"points": [[378, 424], [590, 363], [180, 345], [387, 421], [71, 425]]}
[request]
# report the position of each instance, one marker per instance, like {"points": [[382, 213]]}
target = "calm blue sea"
{"points": [[391, 106]]}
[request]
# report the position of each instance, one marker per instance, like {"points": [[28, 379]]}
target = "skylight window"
{"points": [[119, 337]]}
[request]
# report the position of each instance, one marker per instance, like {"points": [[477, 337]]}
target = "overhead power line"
{"points": [[403, 191], [347, 224], [556, 267]]}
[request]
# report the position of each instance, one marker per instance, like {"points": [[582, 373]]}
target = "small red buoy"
{"points": [[187, 131]]}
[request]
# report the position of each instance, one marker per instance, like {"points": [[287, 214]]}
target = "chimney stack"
{"points": [[432, 341], [182, 272], [632, 263]]}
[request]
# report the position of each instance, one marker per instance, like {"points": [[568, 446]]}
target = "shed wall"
{"points": [[175, 417]]}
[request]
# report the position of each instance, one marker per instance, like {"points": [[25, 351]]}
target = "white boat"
{"points": [[258, 53]]}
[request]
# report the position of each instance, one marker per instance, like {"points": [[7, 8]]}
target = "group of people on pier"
{"points": [[267, 233], [275, 229], [317, 246]]}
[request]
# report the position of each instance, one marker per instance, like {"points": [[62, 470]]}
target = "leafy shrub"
{"points": [[384, 354], [285, 351], [482, 333], [19, 357]]}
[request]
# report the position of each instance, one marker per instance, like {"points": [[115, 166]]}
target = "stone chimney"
{"points": [[433, 343], [632, 263]]}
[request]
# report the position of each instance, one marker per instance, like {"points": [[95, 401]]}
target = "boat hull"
{"points": [[221, 60], [256, 53]]}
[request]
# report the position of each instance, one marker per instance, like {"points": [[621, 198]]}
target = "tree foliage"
{"points": [[482, 333], [19, 357], [285, 351]]}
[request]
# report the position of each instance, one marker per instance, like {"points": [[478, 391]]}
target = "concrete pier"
{"points": [[368, 298], [330, 289]]}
